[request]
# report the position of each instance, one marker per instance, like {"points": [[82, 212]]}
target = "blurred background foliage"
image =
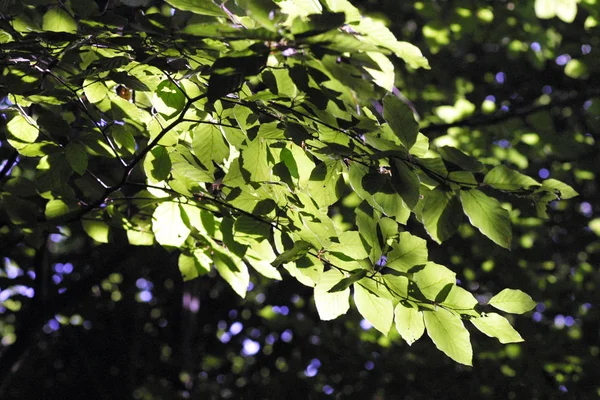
{"points": [[505, 86]]}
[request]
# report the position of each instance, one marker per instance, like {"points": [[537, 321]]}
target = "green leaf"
{"points": [[263, 11], [409, 323], [77, 157], [58, 20], [461, 301], [209, 144], [487, 215], [233, 271], [331, 305], [378, 311], [441, 214], [564, 191], [194, 265], [408, 252], [205, 7], [250, 230], [299, 250], [449, 334], [168, 225], [432, 279], [255, 160], [22, 132], [157, 163], [97, 230], [19, 210], [460, 159], [58, 208], [350, 245], [495, 325], [95, 90], [260, 255], [512, 301], [401, 119], [169, 99], [325, 184], [345, 283], [405, 182], [504, 178]]}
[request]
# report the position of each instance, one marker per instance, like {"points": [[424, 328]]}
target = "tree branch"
{"points": [[572, 100]]}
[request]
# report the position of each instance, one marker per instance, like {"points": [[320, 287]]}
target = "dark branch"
{"points": [[572, 100]]}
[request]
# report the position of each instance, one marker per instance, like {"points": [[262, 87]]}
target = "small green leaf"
{"points": [[350, 245], [331, 305], [495, 325], [255, 160], [95, 90], [157, 163], [433, 278], [299, 250], [205, 7], [19, 210], [405, 182], [441, 214], [194, 265], [504, 178], [77, 157], [409, 323], [22, 132], [449, 334], [325, 181], [97, 230], [169, 99], [512, 301], [58, 20], [378, 311], [408, 252], [564, 191], [209, 144], [487, 215], [345, 283], [57, 208], [168, 225], [460, 159], [401, 119], [461, 301], [234, 272]]}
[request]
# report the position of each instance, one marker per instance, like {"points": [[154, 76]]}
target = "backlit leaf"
{"points": [[331, 305], [487, 215], [378, 311], [512, 301], [168, 225], [495, 325], [409, 323], [449, 334]]}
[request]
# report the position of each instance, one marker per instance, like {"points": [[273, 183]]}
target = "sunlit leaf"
{"points": [[331, 305], [378, 311], [495, 325], [487, 215], [512, 301], [504, 178], [168, 225], [449, 334], [409, 323], [408, 252]]}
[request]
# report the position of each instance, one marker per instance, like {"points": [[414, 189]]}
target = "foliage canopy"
{"points": [[257, 137]]}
